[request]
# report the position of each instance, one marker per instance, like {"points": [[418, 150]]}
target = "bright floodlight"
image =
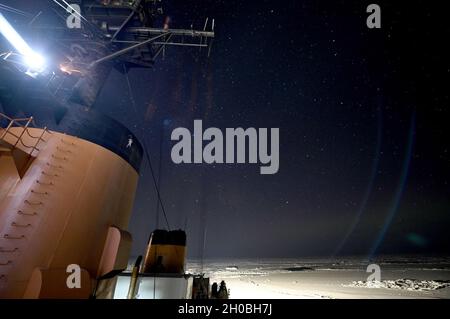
{"points": [[33, 60]]}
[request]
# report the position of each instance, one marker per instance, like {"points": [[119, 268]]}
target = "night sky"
{"points": [[363, 117]]}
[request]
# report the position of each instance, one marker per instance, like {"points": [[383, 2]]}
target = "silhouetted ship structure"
{"points": [[68, 173]]}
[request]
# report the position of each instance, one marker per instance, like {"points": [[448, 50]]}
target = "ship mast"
{"points": [[87, 38]]}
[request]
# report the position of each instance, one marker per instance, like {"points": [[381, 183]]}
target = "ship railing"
{"points": [[25, 124]]}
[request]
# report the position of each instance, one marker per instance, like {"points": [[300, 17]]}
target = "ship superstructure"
{"points": [[68, 173]]}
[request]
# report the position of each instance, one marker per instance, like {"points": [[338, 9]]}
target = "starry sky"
{"points": [[363, 117]]}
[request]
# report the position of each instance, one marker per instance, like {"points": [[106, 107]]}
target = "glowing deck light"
{"points": [[32, 59], [35, 61]]}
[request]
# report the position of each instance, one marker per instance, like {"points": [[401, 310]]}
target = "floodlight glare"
{"points": [[35, 62], [32, 59]]}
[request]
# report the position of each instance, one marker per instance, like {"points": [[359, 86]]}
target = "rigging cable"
{"points": [[71, 8], [159, 171], [147, 155], [155, 184], [160, 202], [92, 26], [14, 10]]}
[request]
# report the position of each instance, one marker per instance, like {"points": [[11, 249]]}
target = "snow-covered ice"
{"points": [[401, 277]]}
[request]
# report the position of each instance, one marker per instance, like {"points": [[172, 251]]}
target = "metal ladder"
{"points": [[24, 124]]}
